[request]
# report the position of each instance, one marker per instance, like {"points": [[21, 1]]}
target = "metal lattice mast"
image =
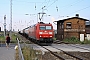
{"points": [[10, 16]]}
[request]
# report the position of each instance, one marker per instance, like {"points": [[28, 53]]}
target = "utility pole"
{"points": [[10, 17], [4, 25]]}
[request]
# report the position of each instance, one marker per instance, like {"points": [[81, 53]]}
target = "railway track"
{"points": [[75, 45], [84, 50], [62, 55], [58, 53], [59, 42], [80, 47]]}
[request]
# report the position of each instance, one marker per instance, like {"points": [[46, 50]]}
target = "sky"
{"points": [[25, 12]]}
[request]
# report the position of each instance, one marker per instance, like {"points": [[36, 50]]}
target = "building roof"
{"points": [[71, 18]]}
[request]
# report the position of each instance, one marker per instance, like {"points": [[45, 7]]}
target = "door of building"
{"points": [[81, 37]]}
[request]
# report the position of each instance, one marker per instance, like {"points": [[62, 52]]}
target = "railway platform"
{"points": [[7, 54]]}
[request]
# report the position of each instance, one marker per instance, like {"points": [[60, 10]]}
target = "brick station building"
{"points": [[71, 27]]}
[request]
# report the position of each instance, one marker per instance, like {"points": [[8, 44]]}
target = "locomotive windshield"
{"points": [[48, 27], [45, 27]]}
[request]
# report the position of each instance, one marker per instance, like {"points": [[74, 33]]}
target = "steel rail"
{"points": [[54, 54], [69, 54]]}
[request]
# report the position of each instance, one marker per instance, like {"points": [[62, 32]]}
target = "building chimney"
{"points": [[77, 15]]}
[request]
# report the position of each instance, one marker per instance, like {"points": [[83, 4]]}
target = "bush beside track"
{"points": [[74, 40], [13, 37]]}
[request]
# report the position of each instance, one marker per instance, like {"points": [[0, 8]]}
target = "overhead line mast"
{"points": [[42, 13], [10, 16]]}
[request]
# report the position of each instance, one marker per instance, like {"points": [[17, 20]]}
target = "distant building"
{"points": [[71, 27]]}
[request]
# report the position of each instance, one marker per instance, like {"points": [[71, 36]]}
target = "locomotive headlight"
{"points": [[40, 36], [50, 32], [40, 32], [50, 36]]}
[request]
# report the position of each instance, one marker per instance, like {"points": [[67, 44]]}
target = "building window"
{"points": [[68, 25], [62, 26]]}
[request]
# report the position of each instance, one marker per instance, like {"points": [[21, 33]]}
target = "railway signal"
{"points": [[4, 25]]}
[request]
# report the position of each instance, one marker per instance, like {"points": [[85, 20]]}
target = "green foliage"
{"points": [[74, 40], [2, 38], [29, 53], [86, 42], [54, 38], [17, 55], [13, 38]]}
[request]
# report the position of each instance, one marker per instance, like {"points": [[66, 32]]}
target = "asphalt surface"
{"points": [[7, 53]]}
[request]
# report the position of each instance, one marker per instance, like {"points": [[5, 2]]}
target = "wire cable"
{"points": [[80, 9], [52, 3]]}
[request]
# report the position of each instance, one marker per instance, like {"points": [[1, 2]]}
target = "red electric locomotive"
{"points": [[40, 32]]}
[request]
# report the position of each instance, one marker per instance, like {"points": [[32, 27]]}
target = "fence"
{"points": [[20, 51]]}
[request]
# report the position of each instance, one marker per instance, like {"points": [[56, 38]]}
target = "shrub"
{"points": [[72, 40]]}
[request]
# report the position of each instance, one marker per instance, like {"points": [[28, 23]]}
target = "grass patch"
{"points": [[2, 38], [17, 55], [13, 37], [74, 40], [30, 54], [54, 38], [86, 42]]}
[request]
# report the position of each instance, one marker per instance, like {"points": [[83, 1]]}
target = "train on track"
{"points": [[41, 33]]}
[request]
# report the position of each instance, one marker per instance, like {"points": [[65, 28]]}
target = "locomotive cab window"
{"points": [[48, 27], [42, 27], [45, 27]]}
